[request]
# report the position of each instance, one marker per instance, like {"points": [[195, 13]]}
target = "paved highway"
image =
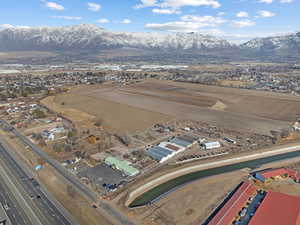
{"points": [[47, 212], [12, 207], [90, 195], [68, 176]]}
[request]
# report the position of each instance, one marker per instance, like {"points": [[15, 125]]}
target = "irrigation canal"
{"points": [[164, 189]]}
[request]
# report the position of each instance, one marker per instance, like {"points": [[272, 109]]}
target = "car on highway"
{"points": [[6, 206]]}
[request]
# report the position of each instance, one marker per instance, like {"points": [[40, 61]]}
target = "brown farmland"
{"points": [[141, 105]]}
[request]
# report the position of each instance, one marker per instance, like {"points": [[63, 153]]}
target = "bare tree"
{"points": [[125, 138], [71, 191]]}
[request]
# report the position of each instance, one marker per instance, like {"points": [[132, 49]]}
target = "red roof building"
{"points": [[277, 209], [278, 172], [233, 206], [274, 173]]}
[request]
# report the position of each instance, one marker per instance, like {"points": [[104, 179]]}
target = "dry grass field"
{"points": [[81, 107], [197, 200], [139, 106]]}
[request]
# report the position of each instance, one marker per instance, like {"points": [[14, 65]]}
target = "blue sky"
{"points": [[236, 20]]}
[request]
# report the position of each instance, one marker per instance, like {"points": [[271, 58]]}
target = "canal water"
{"points": [[170, 186]]}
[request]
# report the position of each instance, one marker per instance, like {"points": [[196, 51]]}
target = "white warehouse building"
{"points": [[211, 145]]}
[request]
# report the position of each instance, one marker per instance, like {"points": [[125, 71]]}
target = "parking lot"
{"points": [[103, 177]]}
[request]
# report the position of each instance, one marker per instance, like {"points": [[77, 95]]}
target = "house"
{"points": [[57, 130], [51, 137]]}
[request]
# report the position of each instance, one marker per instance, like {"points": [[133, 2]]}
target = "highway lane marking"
{"points": [[46, 204], [11, 184]]}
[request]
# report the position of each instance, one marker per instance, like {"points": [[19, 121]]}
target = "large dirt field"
{"points": [[80, 106], [141, 105]]}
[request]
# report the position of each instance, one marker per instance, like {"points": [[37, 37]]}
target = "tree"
{"points": [[125, 138], [39, 114], [41, 161], [68, 148], [71, 134], [71, 191], [57, 147], [99, 123]]}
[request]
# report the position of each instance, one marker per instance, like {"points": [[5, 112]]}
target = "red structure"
{"points": [[274, 173], [279, 172], [277, 209], [261, 207], [232, 208]]}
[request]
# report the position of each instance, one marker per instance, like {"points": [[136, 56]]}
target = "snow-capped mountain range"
{"points": [[93, 37], [72, 41], [274, 43]]}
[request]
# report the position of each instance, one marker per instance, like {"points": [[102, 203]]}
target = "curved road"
{"points": [[167, 177]]}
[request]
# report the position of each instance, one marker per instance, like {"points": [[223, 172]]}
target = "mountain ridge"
{"points": [[87, 42], [91, 36]]}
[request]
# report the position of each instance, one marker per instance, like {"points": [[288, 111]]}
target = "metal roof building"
{"points": [[233, 206], [211, 145], [277, 209], [181, 142], [269, 173], [160, 154], [122, 165], [189, 138], [171, 146]]}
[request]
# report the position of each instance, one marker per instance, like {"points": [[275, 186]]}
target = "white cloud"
{"points": [[103, 20], [266, 1], [182, 3], [271, 1], [242, 14], [175, 26], [54, 6], [165, 11], [243, 23], [221, 13], [5, 26], [265, 13], [68, 17], [207, 20], [146, 3], [92, 6], [177, 4], [126, 21], [188, 23], [286, 1]]}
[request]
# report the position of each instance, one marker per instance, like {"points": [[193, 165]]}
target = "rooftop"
{"points": [[234, 205], [277, 209], [122, 165]]}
